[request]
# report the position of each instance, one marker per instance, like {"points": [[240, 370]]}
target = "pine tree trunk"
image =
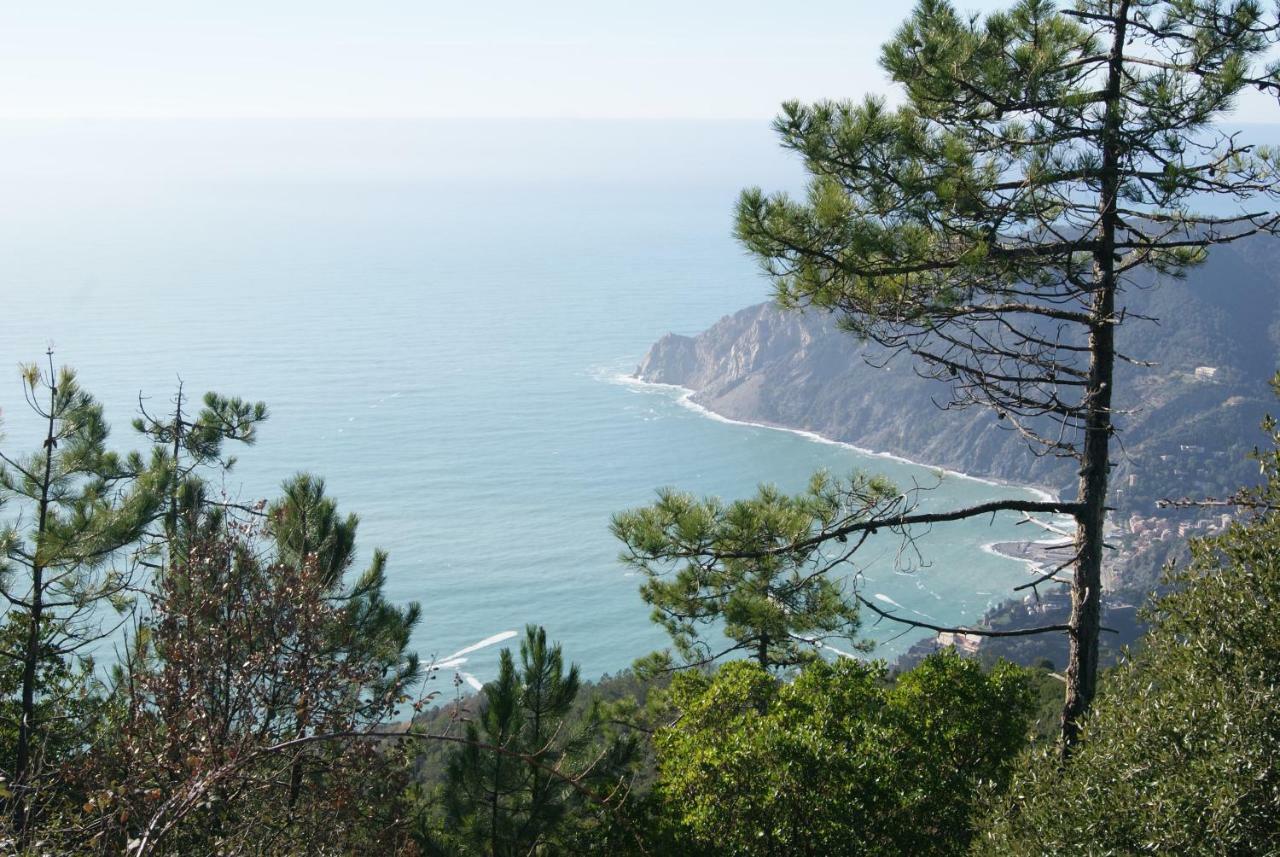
{"points": [[31, 656], [1086, 590]]}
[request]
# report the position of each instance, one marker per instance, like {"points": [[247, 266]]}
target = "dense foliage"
{"points": [[1182, 755], [246, 646], [840, 760]]}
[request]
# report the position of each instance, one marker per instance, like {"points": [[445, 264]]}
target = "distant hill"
{"points": [[1183, 432]]}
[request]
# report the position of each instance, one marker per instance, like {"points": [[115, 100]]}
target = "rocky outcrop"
{"points": [[797, 370], [1183, 432]]}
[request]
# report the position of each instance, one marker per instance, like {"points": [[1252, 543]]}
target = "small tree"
{"points": [[520, 780], [1042, 159], [749, 568], [187, 445], [255, 643], [78, 507], [308, 532]]}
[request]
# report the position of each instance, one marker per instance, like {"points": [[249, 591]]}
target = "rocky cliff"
{"points": [[1183, 432]]}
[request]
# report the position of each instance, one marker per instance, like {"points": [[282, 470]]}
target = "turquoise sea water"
{"points": [[437, 315]]}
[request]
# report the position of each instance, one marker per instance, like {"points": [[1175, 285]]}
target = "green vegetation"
{"points": [[73, 507], [744, 569], [1181, 754], [516, 784], [260, 700], [247, 647], [840, 761]]}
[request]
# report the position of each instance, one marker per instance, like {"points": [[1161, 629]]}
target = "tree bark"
{"points": [[1086, 591], [31, 657]]}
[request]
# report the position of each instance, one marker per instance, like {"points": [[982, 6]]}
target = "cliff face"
{"points": [[798, 370], [1182, 433]]}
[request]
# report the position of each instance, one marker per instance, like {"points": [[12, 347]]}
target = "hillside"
{"points": [[1182, 432]]}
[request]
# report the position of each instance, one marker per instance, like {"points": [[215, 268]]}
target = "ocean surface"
{"points": [[440, 317]]}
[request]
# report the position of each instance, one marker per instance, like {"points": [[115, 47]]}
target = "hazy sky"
{"points": [[393, 58]]}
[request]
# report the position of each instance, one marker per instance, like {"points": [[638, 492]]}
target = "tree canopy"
{"points": [[840, 761], [1041, 159], [738, 568]]}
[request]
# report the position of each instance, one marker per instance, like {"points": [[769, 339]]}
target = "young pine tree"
{"points": [[749, 568], [515, 786], [189, 445], [307, 531], [75, 510]]}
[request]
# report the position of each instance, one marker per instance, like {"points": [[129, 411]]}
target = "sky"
{"points": [[661, 59]]}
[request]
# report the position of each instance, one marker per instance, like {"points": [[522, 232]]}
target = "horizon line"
{"points": [[376, 118], [426, 118]]}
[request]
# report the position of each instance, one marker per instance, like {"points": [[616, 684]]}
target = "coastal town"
{"points": [[1141, 546]]}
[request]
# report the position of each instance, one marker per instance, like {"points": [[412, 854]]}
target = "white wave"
{"points": [[841, 652], [472, 680], [880, 596], [487, 641], [990, 548], [686, 400]]}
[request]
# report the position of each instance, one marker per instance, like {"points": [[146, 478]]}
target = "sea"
{"points": [[442, 317]]}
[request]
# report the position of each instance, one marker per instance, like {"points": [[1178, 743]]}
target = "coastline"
{"points": [[1036, 555], [686, 400]]}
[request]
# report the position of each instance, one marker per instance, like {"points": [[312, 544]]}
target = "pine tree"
{"points": [[190, 445], [744, 568], [307, 531], [77, 508], [513, 787], [548, 695], [484, 787], [1041, 161], [256, 673]]}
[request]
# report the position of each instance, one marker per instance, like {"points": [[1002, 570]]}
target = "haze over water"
{"points": [[437, 314]]}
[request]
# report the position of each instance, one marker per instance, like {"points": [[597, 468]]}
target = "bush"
{"points": [[841, 761]]}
